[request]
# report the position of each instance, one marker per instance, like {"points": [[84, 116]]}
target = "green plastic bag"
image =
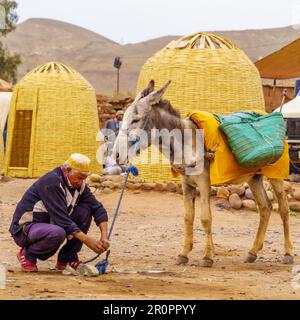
{"points": [[255, 140]]}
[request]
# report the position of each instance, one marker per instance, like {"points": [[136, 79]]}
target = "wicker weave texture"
{"points": [[208, 73], [1, 153], [61, 119]]}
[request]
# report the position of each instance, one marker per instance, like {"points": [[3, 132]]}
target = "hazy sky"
{"points": [[127, 21]]}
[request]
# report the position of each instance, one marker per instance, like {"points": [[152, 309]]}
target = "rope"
{"points": [[135, 172], [114, 217]]}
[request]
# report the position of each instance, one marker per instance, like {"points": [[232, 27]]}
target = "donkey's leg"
{"points": [[189, 205], [284, 211], [264, 206], [206, 219]]}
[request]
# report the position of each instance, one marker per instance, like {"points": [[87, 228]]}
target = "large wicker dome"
{"points": [[1, 153], [208, 73], [53, 113]]}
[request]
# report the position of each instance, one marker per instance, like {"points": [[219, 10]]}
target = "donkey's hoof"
{"points": [[250, 258], [288, 259], [182, 260], [206, 263]]}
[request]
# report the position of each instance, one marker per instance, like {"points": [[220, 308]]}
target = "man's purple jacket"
{"points": [[51, 200]]}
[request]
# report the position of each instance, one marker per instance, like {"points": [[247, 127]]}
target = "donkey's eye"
{"points": [[135, 121]]}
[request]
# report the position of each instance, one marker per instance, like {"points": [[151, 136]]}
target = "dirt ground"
{"points": [[148, 236]]}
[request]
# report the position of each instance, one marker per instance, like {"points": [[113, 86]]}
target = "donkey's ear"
{"points": [[155, 97], [145, 92], [149, 89]]}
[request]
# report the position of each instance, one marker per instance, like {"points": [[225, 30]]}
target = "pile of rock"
{"points": [[108, 184], [229, 197], [107, 107], [5, 179], [240, 196], [294, 200]]}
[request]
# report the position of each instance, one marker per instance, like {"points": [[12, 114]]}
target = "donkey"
{"points": [[149, 111]]}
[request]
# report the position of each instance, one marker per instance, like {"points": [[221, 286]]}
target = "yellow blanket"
{"points": [[225, 168]]}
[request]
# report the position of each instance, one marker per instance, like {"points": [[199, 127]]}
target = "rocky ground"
{"points": [[148, 236]]}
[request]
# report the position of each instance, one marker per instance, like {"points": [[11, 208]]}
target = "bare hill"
{"points": [[43, 40]]}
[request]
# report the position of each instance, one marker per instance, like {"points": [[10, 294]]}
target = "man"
{"points": [[110, 167], [57, 206], [115, 124]]}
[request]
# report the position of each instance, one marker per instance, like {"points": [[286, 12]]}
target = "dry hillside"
{"points": [[41, 40]]}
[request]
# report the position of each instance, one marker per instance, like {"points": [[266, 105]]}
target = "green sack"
{"points": [[255, 140]]}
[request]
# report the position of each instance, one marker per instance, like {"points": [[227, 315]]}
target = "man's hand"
{"points": [[95, 245], [105, 243]]}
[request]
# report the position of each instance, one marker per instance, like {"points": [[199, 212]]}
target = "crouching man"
{"points": [[56, 207]]}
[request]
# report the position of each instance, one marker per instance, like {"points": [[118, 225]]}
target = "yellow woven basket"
{"points": [[1, 153], [208, 73], [53, 113]]}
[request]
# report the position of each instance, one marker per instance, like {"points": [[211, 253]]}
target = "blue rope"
{"points": [[115, 216], [101, 266]]}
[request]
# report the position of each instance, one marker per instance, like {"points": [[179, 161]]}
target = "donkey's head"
{"points": [[134, 134]]}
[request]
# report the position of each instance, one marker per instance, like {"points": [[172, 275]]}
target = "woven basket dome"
{"points": [[208, 73], [53, 113], [1, 153]]}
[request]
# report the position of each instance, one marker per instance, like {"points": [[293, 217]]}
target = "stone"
{"points": [[104, 178], [104, 117], [223, 204], [270, 195], [136, 186], [295, 206], [94, 178], [87, 270], [107, 190], [171, 187], [6, 179], [115, 179], [93, 190], [238, 189], [235, 201], [136, 180], [109, 184], [249, 204], [249, 194], [295, 177], [119, 185], [213, 191], [129, 185], [223, 193], [160, 187], [147, 186], [179, 189], [296, 194], [136, 191], [287, 186], [96, 185]]}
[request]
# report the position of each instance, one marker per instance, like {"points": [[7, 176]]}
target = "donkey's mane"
{"points": [[166, 106]]}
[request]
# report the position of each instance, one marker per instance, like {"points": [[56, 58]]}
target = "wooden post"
{"points": [[118, 81], [273, 96]]}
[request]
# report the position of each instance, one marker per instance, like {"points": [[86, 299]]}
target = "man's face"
{"points": [[119, 117], [76, 178]]}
